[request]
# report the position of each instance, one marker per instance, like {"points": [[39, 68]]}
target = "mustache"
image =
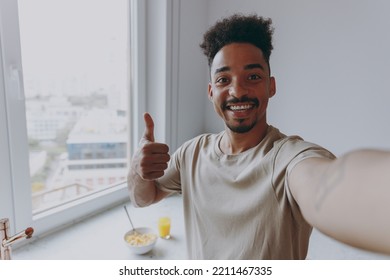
{"points": [[235, 100]]}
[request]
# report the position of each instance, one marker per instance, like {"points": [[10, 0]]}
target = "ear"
{"points": [[210, 92], [272, 87]]}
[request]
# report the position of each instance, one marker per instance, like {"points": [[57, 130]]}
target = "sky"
{"points": [[73, 45]]}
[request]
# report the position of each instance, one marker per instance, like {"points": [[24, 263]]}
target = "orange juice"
{"points": [[164, 227]]}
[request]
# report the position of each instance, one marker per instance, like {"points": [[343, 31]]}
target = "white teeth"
{"points": [[240, 107]]}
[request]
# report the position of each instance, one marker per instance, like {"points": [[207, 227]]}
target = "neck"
{"points": [[234, 143]]}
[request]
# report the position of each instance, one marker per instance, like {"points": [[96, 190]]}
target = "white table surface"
{"points": [[101, 237]]}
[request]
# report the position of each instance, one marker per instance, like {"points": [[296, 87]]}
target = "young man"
{"points": [[251, 192]]}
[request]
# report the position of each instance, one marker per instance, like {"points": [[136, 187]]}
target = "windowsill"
{"points": [[101, 236]]}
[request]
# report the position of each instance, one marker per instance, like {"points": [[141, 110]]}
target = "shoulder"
{"points": [[204, 141], [290, 150]]}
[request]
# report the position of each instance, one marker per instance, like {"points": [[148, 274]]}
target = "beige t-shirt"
{"points": [[240, 206]]}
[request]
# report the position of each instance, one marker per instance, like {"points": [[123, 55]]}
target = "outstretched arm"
{"points": [[148, 164], [347, 198]]}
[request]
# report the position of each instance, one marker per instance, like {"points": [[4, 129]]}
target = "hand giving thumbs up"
{"points": [[152, 158]]}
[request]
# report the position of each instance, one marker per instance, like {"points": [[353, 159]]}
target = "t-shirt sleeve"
{"points": [[292, 151]]}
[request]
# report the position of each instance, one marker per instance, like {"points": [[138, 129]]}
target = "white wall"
{"points": [[331, 61], [192, 83]]}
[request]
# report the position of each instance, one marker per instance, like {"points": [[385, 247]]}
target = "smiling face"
{"points": [[241, 86]]}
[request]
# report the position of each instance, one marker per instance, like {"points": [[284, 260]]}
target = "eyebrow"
{"points": [[254, 66], [246, 67], [222, 69]]}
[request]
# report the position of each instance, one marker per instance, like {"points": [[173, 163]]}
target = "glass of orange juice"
{"points": [[164, 227]]}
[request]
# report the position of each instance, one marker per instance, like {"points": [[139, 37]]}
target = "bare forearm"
{"points": [[352, 200]]}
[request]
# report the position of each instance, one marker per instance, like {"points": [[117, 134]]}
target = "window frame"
{"points": [[15, 189]]}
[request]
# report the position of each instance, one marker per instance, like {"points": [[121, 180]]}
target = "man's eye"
{"points": [[254, 77], [222, 80]]}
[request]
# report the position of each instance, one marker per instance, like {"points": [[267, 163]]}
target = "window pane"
{"points": [[75, 67]]}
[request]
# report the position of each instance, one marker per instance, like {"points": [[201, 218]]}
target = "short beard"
{"points": [[241, 129]]}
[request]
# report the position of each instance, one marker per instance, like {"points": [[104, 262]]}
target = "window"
{"points": [[66, 109]]}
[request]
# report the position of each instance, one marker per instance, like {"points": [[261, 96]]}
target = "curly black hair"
{"points": [[239, 28]]}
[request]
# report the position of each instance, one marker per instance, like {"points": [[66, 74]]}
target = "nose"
{"points": [[237, 89]]}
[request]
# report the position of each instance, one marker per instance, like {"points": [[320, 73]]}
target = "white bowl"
{"points": [[140, 249]]}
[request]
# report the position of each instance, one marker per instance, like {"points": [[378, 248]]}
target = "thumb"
{"points": [[149, 128]]}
